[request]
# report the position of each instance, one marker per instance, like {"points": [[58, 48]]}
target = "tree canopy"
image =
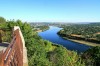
{"points": [[44, 53]]}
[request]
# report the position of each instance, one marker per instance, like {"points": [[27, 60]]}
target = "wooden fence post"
{"points": [[1, 59]]}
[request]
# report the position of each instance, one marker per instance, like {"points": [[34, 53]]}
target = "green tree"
{"points": [[2, 20], [92, 56]]}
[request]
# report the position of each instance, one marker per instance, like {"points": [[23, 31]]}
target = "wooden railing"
{"points": [[13, 55]]}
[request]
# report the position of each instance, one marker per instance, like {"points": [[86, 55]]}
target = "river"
{"points": [[52, 36]]}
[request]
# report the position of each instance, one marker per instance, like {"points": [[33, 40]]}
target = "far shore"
{"points": [[39, 31], [83, 42]]}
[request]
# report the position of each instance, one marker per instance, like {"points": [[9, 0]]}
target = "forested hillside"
{"points": [[40, 28], [88, 32], [45, 53]]}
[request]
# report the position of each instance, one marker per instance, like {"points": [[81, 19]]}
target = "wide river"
{"points": [[52, 36]]}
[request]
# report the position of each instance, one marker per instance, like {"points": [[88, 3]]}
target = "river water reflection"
{"points": [[52, 36]]}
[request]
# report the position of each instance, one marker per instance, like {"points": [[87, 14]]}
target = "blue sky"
{"points": [[51, 10]]}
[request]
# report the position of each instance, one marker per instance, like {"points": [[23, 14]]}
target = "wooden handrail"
{"points": [[13, 55]]}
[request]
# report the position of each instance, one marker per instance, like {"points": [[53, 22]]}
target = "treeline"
{"points": [[88, 32], [45, 53], [42, 28]]}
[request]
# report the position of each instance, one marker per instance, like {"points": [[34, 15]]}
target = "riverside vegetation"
{"points": [[85, 32], [40, 28], [88, 32], [45, 53]]}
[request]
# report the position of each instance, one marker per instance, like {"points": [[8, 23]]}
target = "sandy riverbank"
{"points": [[83, 42], [39, 31]]}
